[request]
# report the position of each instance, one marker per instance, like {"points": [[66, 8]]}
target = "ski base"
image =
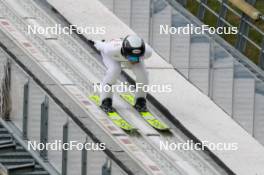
{"points": [[147, 116], [114, 116]]}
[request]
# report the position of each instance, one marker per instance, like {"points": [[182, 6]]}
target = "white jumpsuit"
{"points": [[112, 58]]}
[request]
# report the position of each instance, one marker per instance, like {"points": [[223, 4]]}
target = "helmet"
{"points": [[133, 47]]}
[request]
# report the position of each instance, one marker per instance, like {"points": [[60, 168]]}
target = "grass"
{"points": [[250, 51]]}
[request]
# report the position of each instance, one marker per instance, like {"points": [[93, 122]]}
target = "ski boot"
{"points": [[107, 105], [141, 105]]}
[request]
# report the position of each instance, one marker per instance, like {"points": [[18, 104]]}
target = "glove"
{"points": [[91, 42]]}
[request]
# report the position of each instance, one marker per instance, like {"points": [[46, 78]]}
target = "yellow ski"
{"points": [[147, 116], [114, 116]]}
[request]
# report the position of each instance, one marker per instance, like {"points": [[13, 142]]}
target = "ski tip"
{"points": [[161, 126]]}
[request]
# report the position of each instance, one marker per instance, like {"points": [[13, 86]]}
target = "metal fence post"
{"points": [[6, 86], [201, 10], [222, 14], [25, 109], [84, 159], [243, 30], [106, 168], [261, 55], [64, 151], [183, 2], [44, 126], [151, 14]]}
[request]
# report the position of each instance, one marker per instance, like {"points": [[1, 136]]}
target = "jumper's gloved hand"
{"points": [[91, 42]]}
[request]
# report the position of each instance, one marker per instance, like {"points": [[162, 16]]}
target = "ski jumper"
{"points": [[112, 58]]}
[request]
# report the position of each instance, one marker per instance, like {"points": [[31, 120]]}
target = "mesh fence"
{"points": [[5, 77]]}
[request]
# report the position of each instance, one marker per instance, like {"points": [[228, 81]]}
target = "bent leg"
{"points": [[141, 77], [112, 73]]}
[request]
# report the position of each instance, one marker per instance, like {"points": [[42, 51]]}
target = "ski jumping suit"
{"points": [[112, 58]]}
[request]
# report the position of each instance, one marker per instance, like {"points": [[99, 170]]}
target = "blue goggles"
{"points": [[133, 58]]}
